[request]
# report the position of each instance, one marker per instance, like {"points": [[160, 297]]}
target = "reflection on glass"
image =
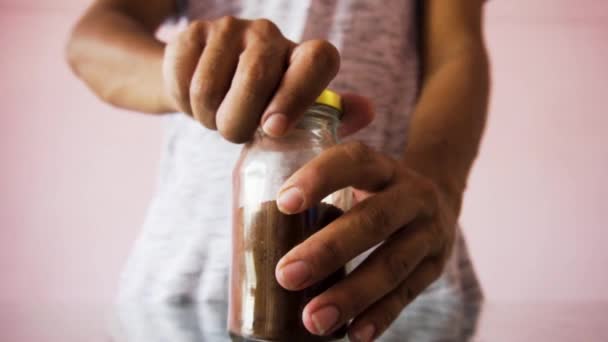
{"points": [[206, 321]]}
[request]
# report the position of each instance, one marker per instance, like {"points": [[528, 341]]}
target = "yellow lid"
{"points": [[331, 99]]}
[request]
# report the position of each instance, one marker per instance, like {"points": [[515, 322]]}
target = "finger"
{"points": [[258, 74], [377, 318], [179, 63], [388, 266], [350, 164], [312, 65], [358, 113], [215, 69], [364, 226]]}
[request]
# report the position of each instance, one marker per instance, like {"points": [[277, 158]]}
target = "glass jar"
{"points": [[260, 309]]}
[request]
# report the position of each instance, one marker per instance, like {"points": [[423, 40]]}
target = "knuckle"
{"points": [[253, 82], [425, 234], [292, 100], [224, 27], [374, 221], [397, 267], [227, 23], [376, 170], [330, 251], [324, 54], [271, 52], [381, 219], [265, 28], [429, 192], [258, 73], [194, 30], [358, 152], [353, 307], [312, 171], [197, 91], [206, 96]]}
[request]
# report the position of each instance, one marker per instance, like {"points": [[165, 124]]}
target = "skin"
{"points": [[233, 75], [229, 74]]}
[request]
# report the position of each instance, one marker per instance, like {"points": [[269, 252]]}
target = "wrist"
{"points": [[450, 182]]}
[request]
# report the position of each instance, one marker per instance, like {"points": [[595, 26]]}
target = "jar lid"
{"points": [[331, 99]]}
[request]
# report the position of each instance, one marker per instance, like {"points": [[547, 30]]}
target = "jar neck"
{"points": [[319, 120], [319, 123]]}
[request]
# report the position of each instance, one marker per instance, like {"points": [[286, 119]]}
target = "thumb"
{"points": [[358, 113]]}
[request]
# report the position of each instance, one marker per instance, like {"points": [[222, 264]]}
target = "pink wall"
{"points": [[534, 212], [76, 174]]}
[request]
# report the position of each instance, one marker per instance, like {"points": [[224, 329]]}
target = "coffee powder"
{"points": [[260, 309]]}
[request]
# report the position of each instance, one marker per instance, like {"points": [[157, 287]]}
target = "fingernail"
{"points": [[324, 319], [290, 200], [294, 274], [275, 125], [365, 333]]}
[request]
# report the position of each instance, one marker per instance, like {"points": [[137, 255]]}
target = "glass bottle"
{"points": [[260, 309]]}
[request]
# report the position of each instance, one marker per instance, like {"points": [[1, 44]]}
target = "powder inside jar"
{"points": [[260, 309]]}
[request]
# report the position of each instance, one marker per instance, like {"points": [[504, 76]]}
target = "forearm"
{"points": [[120, 60], [448, 121]]}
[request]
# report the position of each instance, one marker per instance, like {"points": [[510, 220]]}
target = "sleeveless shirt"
{"points": [[183, 252]]}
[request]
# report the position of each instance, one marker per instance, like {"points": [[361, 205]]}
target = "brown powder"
{"points": [[260, 309]]}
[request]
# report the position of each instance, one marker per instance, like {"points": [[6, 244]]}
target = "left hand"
{"points": [[403, 210]]}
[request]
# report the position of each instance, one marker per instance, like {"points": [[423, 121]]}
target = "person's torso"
{"points": [[183, 251]]}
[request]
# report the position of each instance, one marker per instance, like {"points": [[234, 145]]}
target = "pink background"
{"points": [[76, 175]]}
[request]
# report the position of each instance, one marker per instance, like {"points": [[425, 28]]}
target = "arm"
{"points": [[408, 208], [448, 121], [229, 74], [113, 50]]}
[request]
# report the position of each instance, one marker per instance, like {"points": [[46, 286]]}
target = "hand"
{"points": [[397, 207], [232, 74]]}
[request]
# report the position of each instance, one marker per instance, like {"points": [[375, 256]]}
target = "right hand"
{"points": [[233, 75]]}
